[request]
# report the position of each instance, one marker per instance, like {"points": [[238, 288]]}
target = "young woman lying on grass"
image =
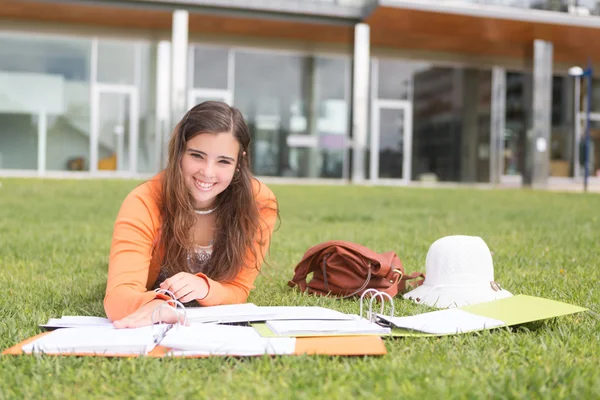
{"points": [[199, 229]]}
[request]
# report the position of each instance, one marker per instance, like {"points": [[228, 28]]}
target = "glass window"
{"points": [[18, 141], [116, 62], [451, 135], [148, 153], [210, 67], [518, 112], [298, 113], [44, 74], [595, 95], [594, 150], [561, 140], [332, 83], [395, 78]]}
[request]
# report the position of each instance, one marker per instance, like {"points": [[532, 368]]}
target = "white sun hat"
{"points": [[458, 271]]}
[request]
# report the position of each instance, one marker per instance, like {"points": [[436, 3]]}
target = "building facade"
{"points": [[388, 91]]}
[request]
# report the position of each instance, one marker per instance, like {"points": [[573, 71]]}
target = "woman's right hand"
{"points": [[143, 316]]}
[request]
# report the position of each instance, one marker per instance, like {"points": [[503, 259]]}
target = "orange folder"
{"points": [[330, 346]]}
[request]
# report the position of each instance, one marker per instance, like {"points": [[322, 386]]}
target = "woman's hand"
{"points": [[143, 315], [186, 287]]}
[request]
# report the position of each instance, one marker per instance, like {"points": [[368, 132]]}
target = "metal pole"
{"points": [[587, 128], [577, 128]]}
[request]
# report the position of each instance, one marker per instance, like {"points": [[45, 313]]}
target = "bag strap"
{"points": [[404, 281]]}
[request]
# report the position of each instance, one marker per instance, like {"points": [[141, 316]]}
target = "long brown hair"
{"points": [[238, 221]]}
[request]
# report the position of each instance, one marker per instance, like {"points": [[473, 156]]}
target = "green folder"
{"points": [[521, 309], [512, 311]]}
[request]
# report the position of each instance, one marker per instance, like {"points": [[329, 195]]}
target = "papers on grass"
{"points": [[451, 321], [316, 327], [249, 312], [91, 340], [209, 339]]}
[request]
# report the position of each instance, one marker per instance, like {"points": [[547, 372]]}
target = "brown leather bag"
{"points": [[345, 269]]}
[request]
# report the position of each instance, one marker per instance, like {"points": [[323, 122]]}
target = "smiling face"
{"points": [[208, 165]]}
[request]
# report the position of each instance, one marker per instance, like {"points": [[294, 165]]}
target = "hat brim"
{"points": [[456, 296]]}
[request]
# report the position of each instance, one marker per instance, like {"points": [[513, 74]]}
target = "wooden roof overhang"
{"points": [[215, 22], [575, 39]]}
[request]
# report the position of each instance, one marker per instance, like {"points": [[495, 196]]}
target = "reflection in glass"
{"points": [[18, 141], [44, 74], [561, 135], [391, 142], [147, 155], [451, 136], [210, 67], [332, 83], [298, 113], [116, 62], [395, 78], [113, 132], [518, 111], [594, 150], [272, 105]]}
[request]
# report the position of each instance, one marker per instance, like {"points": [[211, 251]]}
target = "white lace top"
{"points": [[199, 258]]}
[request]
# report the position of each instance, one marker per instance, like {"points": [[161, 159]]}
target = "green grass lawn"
{"points": [[54, 245]]}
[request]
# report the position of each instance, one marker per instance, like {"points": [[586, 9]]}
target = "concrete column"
{"points": [[537, 166], [497, 124], [179, 60], [360, 100], [163, 103]]}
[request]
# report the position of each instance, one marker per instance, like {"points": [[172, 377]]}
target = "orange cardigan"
{"points": [[133, 269]]}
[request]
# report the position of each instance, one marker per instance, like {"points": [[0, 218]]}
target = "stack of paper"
{"points": [[88, 340], [249, 312], [68, 321], [317, 328], [246, 312], [223, 340], [281, 313], [451, 321]]}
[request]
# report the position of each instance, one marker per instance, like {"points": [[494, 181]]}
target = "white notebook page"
{"points": [[449, 321]]}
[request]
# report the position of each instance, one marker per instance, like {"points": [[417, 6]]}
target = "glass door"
{"points": [[197, 96], [391, 140], [114, 129]]}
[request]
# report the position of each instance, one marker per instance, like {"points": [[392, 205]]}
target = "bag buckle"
{"points": [[400, 276]]}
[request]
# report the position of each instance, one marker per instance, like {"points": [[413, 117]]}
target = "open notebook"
{"points": [[224, 340], [182, 340], [444, 322], [249, 312], [75, 321], [91, 340], [315, 327], [509, 311], [232, 313]]}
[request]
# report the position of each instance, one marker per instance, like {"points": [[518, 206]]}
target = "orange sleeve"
{"points": [[237, 291], [129, 267]]}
